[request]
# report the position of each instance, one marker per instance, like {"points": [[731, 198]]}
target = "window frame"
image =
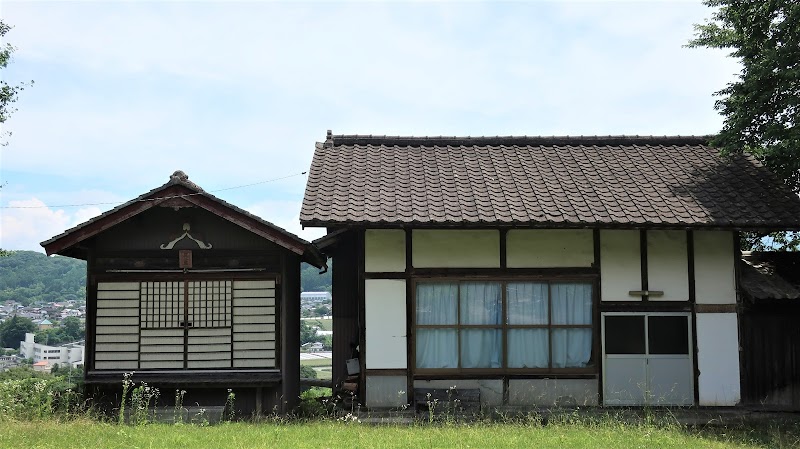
{"points": [[504, 327]]}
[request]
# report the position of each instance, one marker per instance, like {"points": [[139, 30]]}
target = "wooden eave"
{"points": [[69, 243]]}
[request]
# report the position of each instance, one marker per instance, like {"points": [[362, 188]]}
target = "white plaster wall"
{"points": [[491, 389], [668, 265], [620, 265], [715, 282], [718, 358], [385, 316], [387, 391], [552, 392], [455, 248], [384, 250], [543, 248]]}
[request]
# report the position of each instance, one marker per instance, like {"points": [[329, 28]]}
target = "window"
{"points": [[467, 325]]}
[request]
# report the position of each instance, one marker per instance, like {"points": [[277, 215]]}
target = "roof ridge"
{"points": [[366, 139]]}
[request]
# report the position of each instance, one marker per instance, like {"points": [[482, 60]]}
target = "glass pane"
{"points": [[437, 348], [526, 303], [624, 334], [572, 303], [481, 348], [436, 303], [572, 348], [481, 303], [668, 334], [528, 348]]}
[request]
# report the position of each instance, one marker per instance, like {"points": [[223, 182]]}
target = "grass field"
{"points": [[321, 366], [326, 325], [350, 435], [316, 362]]}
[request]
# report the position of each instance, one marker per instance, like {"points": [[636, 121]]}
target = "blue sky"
{"points": [[237, 93]]}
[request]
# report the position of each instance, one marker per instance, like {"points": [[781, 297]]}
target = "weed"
{"points": [[229, 413]]}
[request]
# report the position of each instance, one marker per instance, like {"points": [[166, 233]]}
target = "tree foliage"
{"points": [[761, 107], [68, 330], [312, 281], [29, 277], [12, 331], [8, 92]]}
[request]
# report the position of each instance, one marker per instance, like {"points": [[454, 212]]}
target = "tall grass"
{"points": [[40, 413], [38, 399]]}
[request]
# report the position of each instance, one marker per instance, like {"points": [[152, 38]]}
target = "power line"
{"points": [[156, 199]]}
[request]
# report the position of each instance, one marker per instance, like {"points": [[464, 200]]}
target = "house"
{"points": [[44, 324], [190, 292], [770, 336], [539, 271], [312, 346], [70, 354]]}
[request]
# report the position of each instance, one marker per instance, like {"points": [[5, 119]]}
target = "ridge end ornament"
{"points": [[186, 229]]}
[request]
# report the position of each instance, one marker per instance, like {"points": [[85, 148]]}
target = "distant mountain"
{"points": [[28, 276]]}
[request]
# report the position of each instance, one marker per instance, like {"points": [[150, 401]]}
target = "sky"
{"points": [[236, 94]]}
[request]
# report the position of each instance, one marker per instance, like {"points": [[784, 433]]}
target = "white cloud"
{"points": [[285, 214], [30, 222], [237, 93]]}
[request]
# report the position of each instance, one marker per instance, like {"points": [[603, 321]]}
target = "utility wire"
{"points": [[156, 199]]}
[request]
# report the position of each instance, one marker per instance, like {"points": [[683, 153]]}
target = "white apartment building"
{"points": [[69, 354], [315, 296]]}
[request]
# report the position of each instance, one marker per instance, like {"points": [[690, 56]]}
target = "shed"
{"points": [[189, 292], [770, 334], [539, 271]]}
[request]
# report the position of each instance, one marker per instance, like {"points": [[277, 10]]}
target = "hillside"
{"points": [[28, 276]]}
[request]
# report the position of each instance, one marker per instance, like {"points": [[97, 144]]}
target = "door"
{"points": [[185, 324], [647, 359]]}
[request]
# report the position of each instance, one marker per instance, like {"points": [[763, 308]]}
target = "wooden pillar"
{"points": [[290, 331]]}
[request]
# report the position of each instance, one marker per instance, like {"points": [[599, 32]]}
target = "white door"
{"points": [[647, 359]]}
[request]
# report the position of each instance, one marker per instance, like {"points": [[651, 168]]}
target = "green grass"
{"points": [[324, 373], [316, 362], [333, 434], [326, 325]]}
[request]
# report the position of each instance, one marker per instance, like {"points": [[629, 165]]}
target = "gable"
{"points": [[179, 194]]}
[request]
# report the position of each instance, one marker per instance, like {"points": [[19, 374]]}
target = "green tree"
{"points": [[761, 108], [72, 328], [308, 334], [8, 92], [13, 331], [307, 372]]}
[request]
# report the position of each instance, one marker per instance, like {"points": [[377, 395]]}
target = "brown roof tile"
{"points": [[541, 181]]}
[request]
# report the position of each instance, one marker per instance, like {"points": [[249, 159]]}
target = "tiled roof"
{"points": [[541, 181], [770, 275]]}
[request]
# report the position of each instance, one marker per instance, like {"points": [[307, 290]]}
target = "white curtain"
{"points": [[528, 348], [481, 303], [526, 303], [572, 304], [437, 304]]}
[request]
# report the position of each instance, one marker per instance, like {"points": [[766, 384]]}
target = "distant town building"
{"points": [[42, 366], [315, 296], [69, 354], [45, 324], [312, 347]]}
